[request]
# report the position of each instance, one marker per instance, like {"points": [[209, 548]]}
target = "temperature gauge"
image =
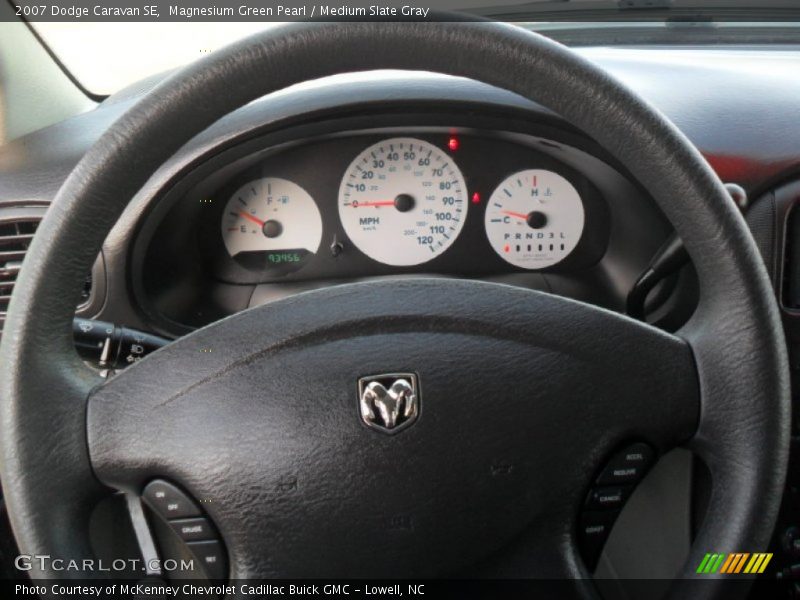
{"points": [[273, 224], [534, 219]]}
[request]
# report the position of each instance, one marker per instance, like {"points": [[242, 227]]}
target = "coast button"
{"points": [[593, 533]]}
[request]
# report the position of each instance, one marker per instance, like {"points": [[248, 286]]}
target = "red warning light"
{"points": [[453, 143], [507, 248], [476, 198]]}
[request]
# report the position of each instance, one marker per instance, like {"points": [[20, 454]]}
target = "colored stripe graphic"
{"points": [[711, 563], [740, 563], [734, 563], [713, 567], [703, 563], [732, 558], [752, 566], [761, 562]]}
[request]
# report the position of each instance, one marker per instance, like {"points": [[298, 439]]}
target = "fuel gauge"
{"points": [[271, 224]]}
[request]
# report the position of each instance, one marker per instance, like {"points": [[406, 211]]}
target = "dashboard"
{"points": [[183, 255]]}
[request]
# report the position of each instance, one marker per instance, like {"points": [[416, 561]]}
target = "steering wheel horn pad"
{"points": [[270, 396], [281, 390]]}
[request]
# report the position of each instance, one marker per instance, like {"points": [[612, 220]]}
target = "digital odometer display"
{"points": [[402, 201]]}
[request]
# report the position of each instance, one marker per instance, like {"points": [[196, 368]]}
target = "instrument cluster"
{"points": [[263, 219], [353, 206]]}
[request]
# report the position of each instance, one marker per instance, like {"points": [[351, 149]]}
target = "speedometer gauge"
{"points": [[401, 201], [271, 224], [534, 219]]}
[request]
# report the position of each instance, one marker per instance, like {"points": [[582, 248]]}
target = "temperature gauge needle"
{"points": [[514, 214], [250, 217]]}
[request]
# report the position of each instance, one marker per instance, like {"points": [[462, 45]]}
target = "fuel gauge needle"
{"points": [[250, 217]]}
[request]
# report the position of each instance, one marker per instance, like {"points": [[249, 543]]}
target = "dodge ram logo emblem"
{"points": [[389, 403]]}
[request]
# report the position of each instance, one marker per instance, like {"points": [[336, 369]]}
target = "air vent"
{"points": [[17, 227]]}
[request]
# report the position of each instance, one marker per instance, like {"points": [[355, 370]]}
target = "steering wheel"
{"points": [[542, 384]]}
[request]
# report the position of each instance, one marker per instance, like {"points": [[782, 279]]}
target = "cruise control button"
{"points": [[627, 466], [605, 498], [211, 557], [597, 525], [593, 533], [168, 501], [191, 530]]}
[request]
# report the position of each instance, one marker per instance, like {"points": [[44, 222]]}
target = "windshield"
{"points": [[104, 53], [106, 57]]}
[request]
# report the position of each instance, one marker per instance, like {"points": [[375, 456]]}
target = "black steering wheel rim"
{"points": [[735, 336]]}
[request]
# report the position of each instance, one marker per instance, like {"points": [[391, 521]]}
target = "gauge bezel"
{"points": [[506, 191], [252, 259], [394, 247]]}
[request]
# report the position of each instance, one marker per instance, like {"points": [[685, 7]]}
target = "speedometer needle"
{"points": [[514, 214], [379, 203], [250, 217]]}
